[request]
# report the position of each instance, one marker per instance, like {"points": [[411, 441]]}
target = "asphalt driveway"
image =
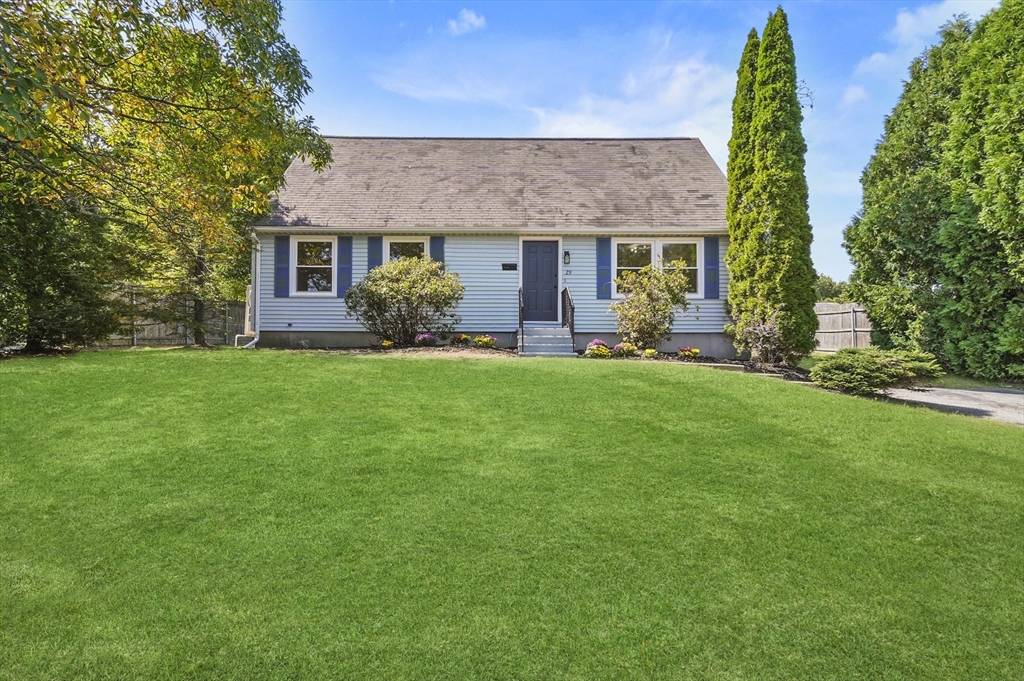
{"points": [[998, 404]]}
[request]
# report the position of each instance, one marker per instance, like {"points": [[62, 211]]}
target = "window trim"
{"points": [[425, 240], [656, 251], [294, 264]]}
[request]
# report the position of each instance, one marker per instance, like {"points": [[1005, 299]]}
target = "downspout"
{"points": [[255, 292]]}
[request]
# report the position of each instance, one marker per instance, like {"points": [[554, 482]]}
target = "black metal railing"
{"points": [[569, 314], [520, 319]]}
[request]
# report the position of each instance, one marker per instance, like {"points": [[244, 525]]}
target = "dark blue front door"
{"points": [[540, 281]]}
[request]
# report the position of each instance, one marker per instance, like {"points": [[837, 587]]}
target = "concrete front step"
{"points": [[530, 353], [547, 342]]}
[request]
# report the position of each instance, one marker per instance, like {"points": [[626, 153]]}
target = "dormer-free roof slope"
{"points": [[461, 185]]}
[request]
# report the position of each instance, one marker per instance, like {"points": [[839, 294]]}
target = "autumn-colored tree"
{"points": [[173, 120]]}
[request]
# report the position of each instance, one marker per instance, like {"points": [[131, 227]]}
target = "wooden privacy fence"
{"points": [[842, 325], [224, 320]]}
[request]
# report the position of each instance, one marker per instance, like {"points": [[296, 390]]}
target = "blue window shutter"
{"points": [[282, 244], [374, 252], [344, 264], [437, 248], [604, 267], [711, 267]]}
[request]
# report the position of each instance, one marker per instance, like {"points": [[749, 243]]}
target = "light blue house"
{"points": [[536, 229]]}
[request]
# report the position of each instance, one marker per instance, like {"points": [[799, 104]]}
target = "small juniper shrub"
{"points": [[426, 340], [486, 342], [625, 349], [462, 339], [650, 353], [870, 371]]}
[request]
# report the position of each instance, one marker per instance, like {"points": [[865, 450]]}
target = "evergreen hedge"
{"points": [[938, 248]]}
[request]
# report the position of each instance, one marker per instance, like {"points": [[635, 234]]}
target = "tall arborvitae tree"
{"points": [[893, 242], [777, 243], [738, 209]]}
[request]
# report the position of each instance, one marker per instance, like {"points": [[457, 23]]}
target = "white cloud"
{"points": [[852, 95], [467, 21], [915, 30], [684, 98], [642, 89]]}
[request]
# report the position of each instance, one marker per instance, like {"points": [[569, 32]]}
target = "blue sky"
{"points": [[614, 69]]}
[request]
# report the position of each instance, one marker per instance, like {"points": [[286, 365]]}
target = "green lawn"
{"points": [[282, 515]]}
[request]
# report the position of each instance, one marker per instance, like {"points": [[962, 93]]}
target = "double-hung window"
{"points": [[406, 248], [314, 265], [673, 251], [631, 255]]}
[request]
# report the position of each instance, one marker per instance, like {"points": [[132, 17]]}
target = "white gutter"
{"points": [[693, 230], [255, 288]]}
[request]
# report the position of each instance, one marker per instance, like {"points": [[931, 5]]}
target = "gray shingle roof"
{"points": [[490, 185]]}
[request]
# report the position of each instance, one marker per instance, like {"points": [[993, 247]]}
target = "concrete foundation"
{"points": [[351, 339], [709, 344]]}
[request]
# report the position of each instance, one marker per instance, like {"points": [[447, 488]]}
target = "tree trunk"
{"points": [[198, 313], [198, 303], [34, 331]]}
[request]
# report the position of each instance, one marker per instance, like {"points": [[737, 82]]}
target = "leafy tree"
{"points": [[653, 294], [405, 297], [175, 119], [828, 290], [771, 268], [57, 274]]}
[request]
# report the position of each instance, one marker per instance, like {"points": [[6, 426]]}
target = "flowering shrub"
{"points": [[485, 342], [686, 352], [625, 349], [653, 294], [405, 297], [386, 344], [461, 339], [428, 340], [597, 342], [650, 353], [598, 351]]}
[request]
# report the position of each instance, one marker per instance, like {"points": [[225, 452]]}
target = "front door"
{"points": [[540, 281]]}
